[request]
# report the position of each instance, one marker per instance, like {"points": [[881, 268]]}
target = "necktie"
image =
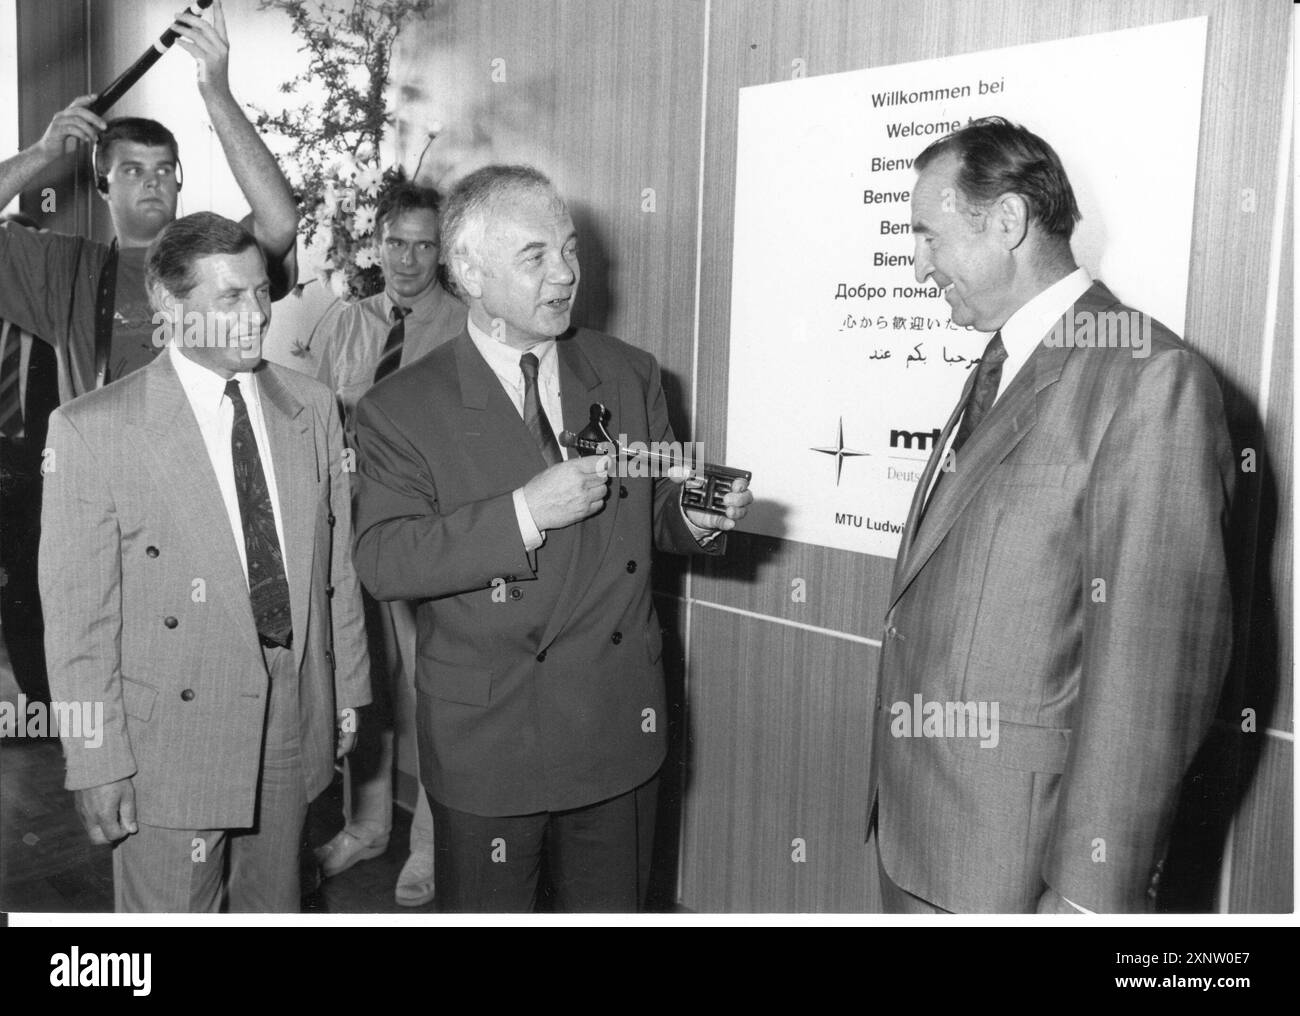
{"points": [[391, 357], [534, 419], [105, 307], [11, 408], [988, 376], [267, 586]]}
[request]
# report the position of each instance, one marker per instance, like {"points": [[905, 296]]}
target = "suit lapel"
{"points": [[297, 477], [1005, 427], [927, 475], [172, 448], [580, 386], [1010, 419], [497, 439]]}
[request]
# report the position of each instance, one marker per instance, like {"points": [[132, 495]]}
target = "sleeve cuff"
{"points": [[702, 536], [532, 536]]}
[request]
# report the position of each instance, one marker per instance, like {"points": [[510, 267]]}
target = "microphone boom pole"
{"points": [[123, 82]]}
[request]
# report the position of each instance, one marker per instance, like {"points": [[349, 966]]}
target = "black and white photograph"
{"points": [[647, 463]]}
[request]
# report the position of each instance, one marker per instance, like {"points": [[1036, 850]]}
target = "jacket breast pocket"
{"points": [[454, 682]]}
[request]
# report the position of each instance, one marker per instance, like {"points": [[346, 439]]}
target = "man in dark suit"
{"points": [[1060, 619], [541, 706]]}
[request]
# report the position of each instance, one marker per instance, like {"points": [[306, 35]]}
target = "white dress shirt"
{"points": [[504, 361], [206, 391], [1023, 332]]}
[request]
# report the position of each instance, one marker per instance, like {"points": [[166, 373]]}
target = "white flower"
{"points": [[363, 223], [345, 168], [318, 248], [339, 284], [369, 177], [365, 257]]}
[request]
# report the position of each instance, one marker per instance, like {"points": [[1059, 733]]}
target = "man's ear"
{"points": [[1010, 213], [468, 272], [162, 301]]}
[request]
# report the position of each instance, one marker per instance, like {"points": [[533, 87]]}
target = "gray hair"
{"points": [[474, 200]]}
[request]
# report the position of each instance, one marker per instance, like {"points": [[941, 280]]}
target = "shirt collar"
{"points": [[1025, 329], [421, 307], [204, 386], [504, 358]]}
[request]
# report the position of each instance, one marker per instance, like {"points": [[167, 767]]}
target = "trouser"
{"points": [[370, 766], [255, 870], [20, 535], [598, 856]]}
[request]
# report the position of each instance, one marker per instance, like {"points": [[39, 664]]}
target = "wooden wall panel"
{"points": [[1263, 879], [1272, 668], [605, 98], [777, 745], [52, 71]]}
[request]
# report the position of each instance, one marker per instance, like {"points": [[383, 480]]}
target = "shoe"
{"points": [[347, 848], [415, 883]]}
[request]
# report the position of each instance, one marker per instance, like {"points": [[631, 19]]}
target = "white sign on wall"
{"points": [[843, 367]]}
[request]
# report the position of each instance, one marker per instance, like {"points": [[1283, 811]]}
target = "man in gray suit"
{"points": [[1060, 619], [194, 557]]}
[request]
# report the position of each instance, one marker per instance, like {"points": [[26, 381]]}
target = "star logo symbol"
{"points": [[840, 452]]}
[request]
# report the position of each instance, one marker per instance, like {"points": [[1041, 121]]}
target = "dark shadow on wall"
{"points": [[596, 301], [1226, 765]]}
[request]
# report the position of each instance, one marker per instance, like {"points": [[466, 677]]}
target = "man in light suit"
{"points": [[540, 698], [194, 558], [1062, 572]]}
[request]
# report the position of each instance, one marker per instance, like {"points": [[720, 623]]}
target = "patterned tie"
{"points": [[267, 586], [11, 409], [988, 376], [391, 357], [534, 419]]}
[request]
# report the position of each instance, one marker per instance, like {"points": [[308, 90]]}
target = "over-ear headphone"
{"points": [[101, 179]]}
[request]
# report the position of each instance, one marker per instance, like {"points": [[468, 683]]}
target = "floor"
{"points": [[48, 865]]}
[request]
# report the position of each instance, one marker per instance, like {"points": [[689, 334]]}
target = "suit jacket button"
{"points": [[622, 490], [330, 518], [541, 657], [616, 638], [891, 632], [516, 593], [631, 567], [170, 622], [187, 695], [151, 551], [329, 590]]}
